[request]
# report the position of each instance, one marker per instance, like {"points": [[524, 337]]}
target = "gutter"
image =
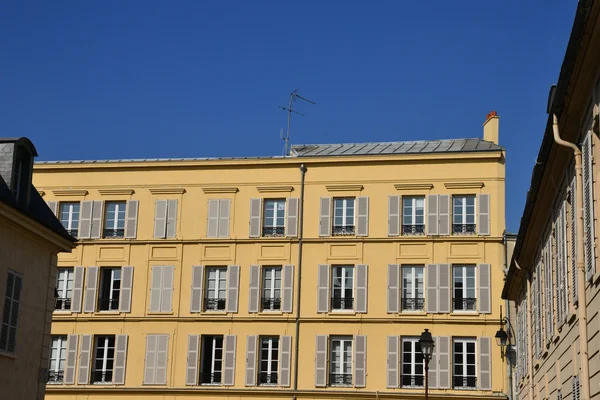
{"points": [[300, 237]]}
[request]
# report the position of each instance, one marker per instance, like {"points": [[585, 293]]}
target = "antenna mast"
{"points": [[293, 96]]}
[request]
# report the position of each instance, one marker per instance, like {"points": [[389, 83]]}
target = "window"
{"points": [[271, 289], [64, 289], [58, 357], [464, 288], [463, 215], [8, 328], [269, 361], [412, 288], [343, 217], [104, 359], [211, 364], [464, 364], [340, 372], [413, 215], [274, 220], [110, 287], [114, 220], [216, 289], [412, 363], [343, 288], [69, 217]]}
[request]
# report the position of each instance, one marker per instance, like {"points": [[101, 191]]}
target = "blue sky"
{"points": [[141, 79]]}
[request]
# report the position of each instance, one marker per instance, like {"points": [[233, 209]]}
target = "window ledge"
{"points": [[215, 312], [412, 312], [460, 312], [159, 313], [7, 355], [62, 312], [343, 312], [107, 312], [271, 312]]}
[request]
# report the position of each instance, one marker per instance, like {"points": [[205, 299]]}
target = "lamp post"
{"points": [[501, 336], [427, 345]]}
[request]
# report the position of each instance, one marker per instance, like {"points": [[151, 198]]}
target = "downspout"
{"points": [[507, 302], [581, 298], [529, 337]]}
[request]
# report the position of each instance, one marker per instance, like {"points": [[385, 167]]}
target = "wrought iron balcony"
{"points": [[465, 304], [210, 378], [102, 376], [340, 379], [271, 304], [56, 376], [214, 304], [466, 229], [73, 232], [343, 230], [413, 229], [113, 233], [464, 382], [62, 303], [107, 304], [271, 231], [412, 380], [265, 378], [342, 303], [413, 304]]}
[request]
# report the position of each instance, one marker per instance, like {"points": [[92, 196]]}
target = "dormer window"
{"points": [[21, 181]]}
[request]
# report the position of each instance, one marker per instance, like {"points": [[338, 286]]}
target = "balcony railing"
{"points": [[102, 376], [265, 378], [464, 228], [56, 376], [345, 230], [413, 304], [340, 379], [210, 378], [413, 229], [62, 303], [412, 380], [465, 304], [214, 304], [273, 231], [107, 304], [73, 232], [113, 233], [342, 303], [271, 304], [464, 382]]}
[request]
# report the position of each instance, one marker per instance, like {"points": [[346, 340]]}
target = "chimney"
{"points": [[491, 127], [16, 166]]}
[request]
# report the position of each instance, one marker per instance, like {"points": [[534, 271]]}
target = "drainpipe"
{"points": [[529, 337], [581, 298], [508, 358]]}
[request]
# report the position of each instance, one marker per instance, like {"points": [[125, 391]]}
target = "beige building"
{"points": [[30, 238], [554, 273]]}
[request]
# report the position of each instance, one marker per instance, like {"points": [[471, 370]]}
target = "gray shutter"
{"points": [[444, 300], [323, 288], [212, 228], [321, 361], [393, 294], [361, 288], [191, 372], [131, 220], [588, 207], [126, 288], [197, 288], [171, 218], [432, 214], [166, 297], [85, 220], [150, 360], [53, 206], [229, 358], [233, 288], [71, 362], [288, 289], [162, 358], [285, 361], [432, 288], [362, 228], [325, 217], [392, 362], [84, 360], [485, 363], [254, 292], [255, 217], [155, 288], [89, 305], [393, 215], [576, 388], [291, 226], [224, 216], [433, 365], [250, 360], [444, 362], [484, 280], [360, 361], [444, 215], [78, 274], [120, 359], [483, 224], [574, 240], [160, 219], [97, 212]]}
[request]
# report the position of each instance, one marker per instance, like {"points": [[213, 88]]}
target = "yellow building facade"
{"points": [[307, 276]]}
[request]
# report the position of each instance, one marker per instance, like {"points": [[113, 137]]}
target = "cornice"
{"points": [[114, 192], [167, 190], [464, 185], [344, 188], [210, 190], [413, 186], [272, 189], [70, 192]]}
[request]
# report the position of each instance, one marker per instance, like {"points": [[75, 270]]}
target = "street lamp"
{"points": [[501, 336], [427, 345]]}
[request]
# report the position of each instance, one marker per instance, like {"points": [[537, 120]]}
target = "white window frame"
{"points": [[345, 368], [10, 299], [344, 271], [414, 341], [270, 359], [463, 213], [344, 209], [465, 288], [69, 213], [105, 346], [413, 210], [276, 204], [220, 276], [213, 359], [269, 286], [413, 287], [118, 205], [111, 284], [63, 292], [464, 363], [58, 345]]}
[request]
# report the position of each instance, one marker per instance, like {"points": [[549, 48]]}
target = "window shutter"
{"points": [[160, 219], [229, 364], [360, 361], [85, 220], [433, 365], [291, 226], [576, 388], [394, 215], [150, 360], [172, 218], [255, 217], [321, 361], [71, 359], [444, 362], [432, 214], [191, 374], [233, 285], [361, 288], [562, 251], [84, 359], [432, 289], [155, 289], [287, 300], [392, 362], [166, 297], [254, 291], [323, 289], [131, 220], [393, 295], [588, 206], [53, 206], [78, 274], [90, 290], [574, 240], [197, 288], [126, 288], [444, 214], [120, 359], [212, 228], [285, 360], [97, 212], [162, 355], [325, 217], [444, 293], [363, 216], [483, 224], [250, 360], [484, 280], [224, 216], [485, 364]]}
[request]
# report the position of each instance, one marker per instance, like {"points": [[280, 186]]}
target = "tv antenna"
{"points": [[290, 110]]}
